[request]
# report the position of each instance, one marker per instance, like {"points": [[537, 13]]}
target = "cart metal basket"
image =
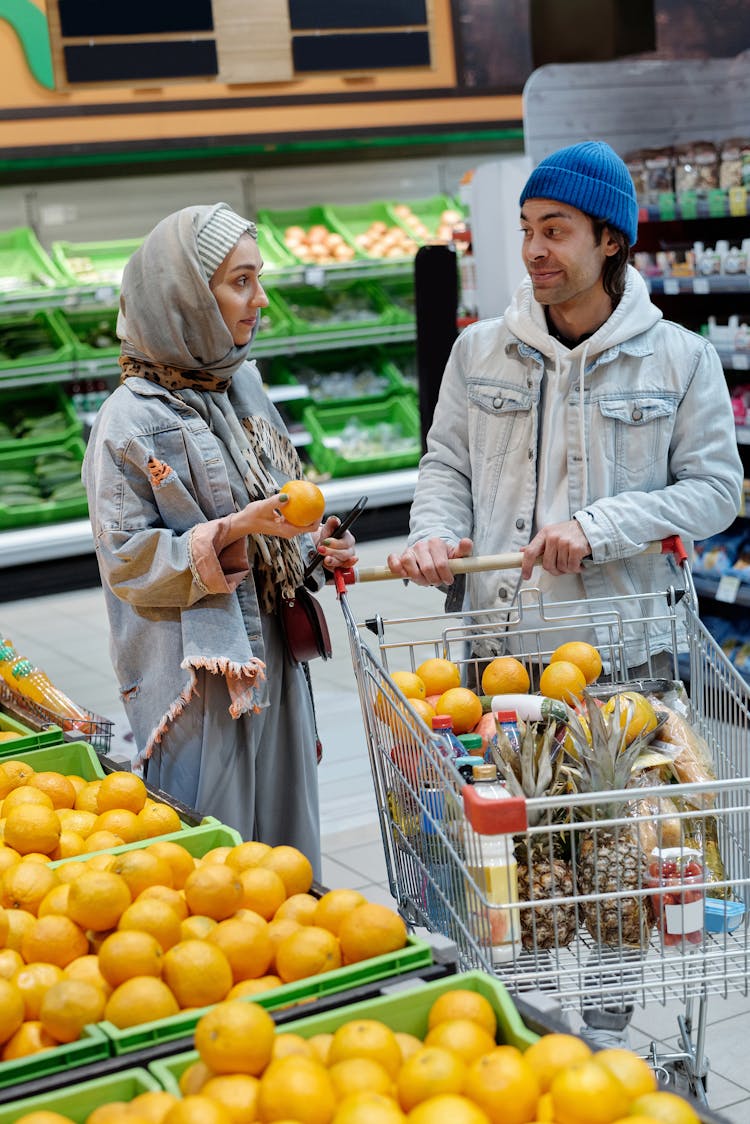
{"points": [[590, 922]]}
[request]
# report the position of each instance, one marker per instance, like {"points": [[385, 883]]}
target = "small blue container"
{"points": [[723, 917]]}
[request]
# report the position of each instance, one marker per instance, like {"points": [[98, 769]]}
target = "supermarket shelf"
{"points": [[699, 286], [708, 587], [28, 545], [743, 434], [329, 341]]}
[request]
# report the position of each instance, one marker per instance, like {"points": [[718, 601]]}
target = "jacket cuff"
{"points": [[217, 565]]}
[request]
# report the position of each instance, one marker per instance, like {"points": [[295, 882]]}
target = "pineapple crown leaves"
{"points": [[535, 770], [603, 759]]}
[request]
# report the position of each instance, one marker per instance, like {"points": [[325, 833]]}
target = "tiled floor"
{"points": [[67, 636]]}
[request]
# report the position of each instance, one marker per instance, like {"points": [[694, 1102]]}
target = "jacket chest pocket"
{"points": [[637, 432], [499, 419]]}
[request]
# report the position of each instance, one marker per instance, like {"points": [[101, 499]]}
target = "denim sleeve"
{"points": [[704, 471]]}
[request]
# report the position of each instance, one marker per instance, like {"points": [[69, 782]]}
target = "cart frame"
{"points": [[433, 846]]}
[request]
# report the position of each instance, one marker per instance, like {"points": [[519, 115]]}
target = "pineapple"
{"points": [[609, 859], [543, 872]]}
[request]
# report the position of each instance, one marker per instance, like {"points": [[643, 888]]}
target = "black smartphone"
{"points": [[341, 530]]}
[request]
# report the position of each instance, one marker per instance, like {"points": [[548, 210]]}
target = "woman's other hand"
{"points": [[336, 552]]}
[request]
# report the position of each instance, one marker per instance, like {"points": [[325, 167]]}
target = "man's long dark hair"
{"points": [[615, 267]]}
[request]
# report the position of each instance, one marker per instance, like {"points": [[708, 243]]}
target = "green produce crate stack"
{"points": [[275, 321], [26, 738], [341, 308], [376, 231], [404, 1011], [94, 263], [37, 341], [348, 378], [36, 420], [25, 267], [437, 215], [359, 438], [42, 485], [94, 334], [277, 222], [273, 252]]}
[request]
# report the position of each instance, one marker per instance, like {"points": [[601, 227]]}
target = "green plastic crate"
{"points": [[357, 220], [325, 310], [25, 265], [84, 325], [399, 292], [298, 371], [45, 510], [78, 1101], [71, 758], [43, 401], [94, 263], [277, 221], [276, 321], [199, 840], [55, 350], [27, 739], [326, 424], [273, 252], [404, 1011], [92, 1046], [428, 211], [416, 954]]}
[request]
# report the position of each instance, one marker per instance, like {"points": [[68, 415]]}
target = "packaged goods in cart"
{"points": [[676, 875], [448, 743], [491, 863], [35, 685]]}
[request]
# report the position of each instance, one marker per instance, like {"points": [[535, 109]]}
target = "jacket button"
{"points": [[637, 414], [497, 403], [502, 593], [520, 524]]}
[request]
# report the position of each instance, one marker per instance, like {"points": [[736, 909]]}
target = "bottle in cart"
{"points": [[8, 656], [507, 723], [448, 743], [491, 863]]}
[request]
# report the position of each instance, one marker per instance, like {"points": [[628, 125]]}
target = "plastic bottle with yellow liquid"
{"points": [[491, 863], [8, 656]]}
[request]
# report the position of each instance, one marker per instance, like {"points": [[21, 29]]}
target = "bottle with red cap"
{"points": [[507, 723], [450, 746]]}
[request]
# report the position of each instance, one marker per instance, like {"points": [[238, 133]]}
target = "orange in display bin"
{"points": [[676, 875]]}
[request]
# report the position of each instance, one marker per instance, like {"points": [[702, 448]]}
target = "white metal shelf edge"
{"points": [[28, 545]]}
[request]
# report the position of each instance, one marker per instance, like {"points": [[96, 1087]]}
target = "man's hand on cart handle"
{"points": [[405, 565]]}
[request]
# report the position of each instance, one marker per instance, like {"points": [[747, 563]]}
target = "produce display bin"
{"points": [[319, 375], [79, 1100], [276, 223], [357, 439], [339, 308], [197, 840], [272, 250], [92, 1046], [93, 333], [415, 954], [37, 340], [357, 220], [36, 419], [28, 738], [23, 460], [428, 211], [25, 265], [94, 263], [275, 321], [399, 292], [71, 758], [405, 1010]]}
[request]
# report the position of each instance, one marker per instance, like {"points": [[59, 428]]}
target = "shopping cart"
{"points": [[588, 927]]}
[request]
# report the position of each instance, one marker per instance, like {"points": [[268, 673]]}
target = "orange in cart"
{"points": [[505, 675], [637, 715], [439, 675], [562, 680], [584, 656], [463, 706]]}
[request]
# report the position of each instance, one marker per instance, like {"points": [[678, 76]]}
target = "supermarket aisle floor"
{"points": [[67, 635]]}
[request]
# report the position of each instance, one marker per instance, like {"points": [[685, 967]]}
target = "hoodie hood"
{"points": [[634, 315]]}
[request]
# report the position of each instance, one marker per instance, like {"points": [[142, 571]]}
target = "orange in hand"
{"points": [[305, 505]]}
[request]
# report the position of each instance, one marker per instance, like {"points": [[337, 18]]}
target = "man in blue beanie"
{"points": [[575, 429]]}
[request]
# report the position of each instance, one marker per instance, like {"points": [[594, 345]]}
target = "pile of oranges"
{"points": [[56, 816], [141, 935], [366, 1073]]}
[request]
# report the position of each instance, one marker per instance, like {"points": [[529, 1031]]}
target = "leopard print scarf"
{"points": [[256, 448]]}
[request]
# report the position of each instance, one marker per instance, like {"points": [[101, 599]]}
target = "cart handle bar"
{"points": [[473, 565]]}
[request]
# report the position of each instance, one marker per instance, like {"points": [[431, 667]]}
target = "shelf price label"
{"points": [[727, 589], [701, 286], [315, 275], [671, 286]]}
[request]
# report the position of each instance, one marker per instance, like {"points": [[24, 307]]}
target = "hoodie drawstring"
{"points": [[582, 426]]}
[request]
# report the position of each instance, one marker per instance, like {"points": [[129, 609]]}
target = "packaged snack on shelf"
{"points": [[696, 167], [636, 165], [659, 172], [734, 163]]}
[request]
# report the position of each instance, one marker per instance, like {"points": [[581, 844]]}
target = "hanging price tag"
{"points": [[727, 589]]}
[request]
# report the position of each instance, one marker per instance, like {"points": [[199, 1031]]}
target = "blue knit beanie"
{"points": [[593, 178]]}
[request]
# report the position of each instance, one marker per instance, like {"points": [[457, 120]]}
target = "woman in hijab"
{"points": [[183, 470]]}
